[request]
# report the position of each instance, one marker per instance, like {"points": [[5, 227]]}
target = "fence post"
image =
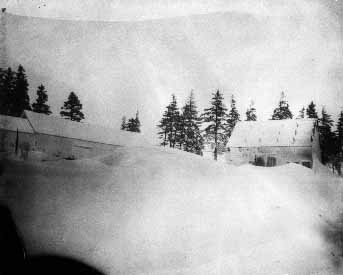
{"points": [[17, 142]]}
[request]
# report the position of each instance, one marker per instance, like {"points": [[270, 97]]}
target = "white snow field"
{"points": [[160, 211]]}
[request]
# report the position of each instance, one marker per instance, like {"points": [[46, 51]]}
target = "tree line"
{"points": [[331, 142], [183, 128], [14, 97], [188, 130]]}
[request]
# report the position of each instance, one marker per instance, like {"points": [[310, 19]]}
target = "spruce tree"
{"points": [[169, 124], [40, 105], [233, 118], [133, 124], [123, 123], [7, 86], [71, 108], [339, 144], [181, 131], [282, 111], [2, 92], [20, 97], [301, 113], [339, 134], [190, 131], [164, 128], [251, 113], [174, 122], [137, 123], [215, 119], [326, 136], [311, 110]]}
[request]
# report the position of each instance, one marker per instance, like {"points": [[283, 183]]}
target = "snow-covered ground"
{"points": [[160, 211]]}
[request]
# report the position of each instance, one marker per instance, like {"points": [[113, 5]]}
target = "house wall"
{"points": [[26, 142], [85, 149], [50, 146], [283, 155], [53, 146], [62, 147]]}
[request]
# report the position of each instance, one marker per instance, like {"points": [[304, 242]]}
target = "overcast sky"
{"points": [[252, 49], [129, 10]]}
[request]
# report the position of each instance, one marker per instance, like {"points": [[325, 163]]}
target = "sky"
{"points": [[120, 56], [129, 10]]}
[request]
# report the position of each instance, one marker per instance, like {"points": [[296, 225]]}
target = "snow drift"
{"points": [[159, 211]]}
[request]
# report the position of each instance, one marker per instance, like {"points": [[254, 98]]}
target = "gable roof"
{"points": [[56, 126], [289, 132], [11, 123]]}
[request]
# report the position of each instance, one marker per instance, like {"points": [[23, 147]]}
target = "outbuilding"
{"points": [[274, 142], [11, 128], [55, 137]]}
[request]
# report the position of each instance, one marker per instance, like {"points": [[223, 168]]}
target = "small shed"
{"points": [[70, 139], [16, 135], [274, 142], [56, 137]]}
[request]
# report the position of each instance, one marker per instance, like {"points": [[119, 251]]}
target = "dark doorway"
{"points": [[259, 161], [307, 164], [271, 161]]}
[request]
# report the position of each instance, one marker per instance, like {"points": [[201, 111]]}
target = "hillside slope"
{"points": [[159, 211]]}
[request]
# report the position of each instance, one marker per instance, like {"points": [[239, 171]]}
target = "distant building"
{"points": [[55, 137], [274, 142]]}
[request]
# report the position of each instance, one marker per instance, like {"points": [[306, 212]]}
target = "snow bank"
{"points": [[162, 211]]}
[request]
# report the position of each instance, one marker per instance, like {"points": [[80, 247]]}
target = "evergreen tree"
{"points": [[7, 86], [164, 127], [20, 97], [137, 123], [301, 113], [339, 134], [72, 108], [133, 124], [190, 131], [326, 136], [233, 118], [251, 113], [2, 91], [40, 105], [123, 125], [170, 124], [215, 119], [339, 144], [311, 110], [181, 131], [282, 111]]}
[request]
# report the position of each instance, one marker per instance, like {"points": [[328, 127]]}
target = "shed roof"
{"points": [[11, 123], [289, 132], [56, 126]]}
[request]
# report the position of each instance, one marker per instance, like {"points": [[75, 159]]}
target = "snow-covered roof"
{"points": [[11, 123], [288, 132], [56, 126]]}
